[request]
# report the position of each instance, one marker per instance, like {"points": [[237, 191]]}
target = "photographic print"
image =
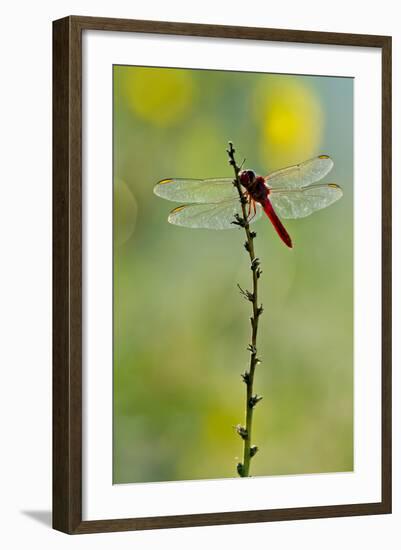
{"points": [[233, 274], [221, 274]]}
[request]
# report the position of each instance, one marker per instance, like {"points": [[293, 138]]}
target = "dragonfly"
{"points": [[288, 193]]}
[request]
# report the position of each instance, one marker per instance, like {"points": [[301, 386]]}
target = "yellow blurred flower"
{"points": [[159, 96], [292, 120]]}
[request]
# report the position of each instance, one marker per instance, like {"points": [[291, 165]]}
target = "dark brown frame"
{"points": [[67, 274]]}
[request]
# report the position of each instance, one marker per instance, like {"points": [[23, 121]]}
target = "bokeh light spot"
{"points": [[159, 96], [292, 120], [125, 212]]}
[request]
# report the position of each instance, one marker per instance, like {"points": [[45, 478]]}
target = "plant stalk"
{"points": [[248, 377]]}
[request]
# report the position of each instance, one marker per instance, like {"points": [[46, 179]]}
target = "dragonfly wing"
{"points": [[301, 174], [299, 203], [196, 191], [210, 216]]}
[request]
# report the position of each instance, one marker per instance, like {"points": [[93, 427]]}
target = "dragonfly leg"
{"points": [[249, 201], [252, 204]]}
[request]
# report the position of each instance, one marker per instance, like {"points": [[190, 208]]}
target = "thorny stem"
{"points": [[245, 432]]}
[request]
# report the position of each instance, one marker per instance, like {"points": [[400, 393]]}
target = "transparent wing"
{"points": [[210, 216], [301, 174], [199, 191], [299, 203]]}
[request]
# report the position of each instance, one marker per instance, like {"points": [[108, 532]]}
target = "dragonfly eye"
{"points": [[247, 177]]}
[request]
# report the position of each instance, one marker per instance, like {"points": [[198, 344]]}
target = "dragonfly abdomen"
{"points": [[278, 226]]}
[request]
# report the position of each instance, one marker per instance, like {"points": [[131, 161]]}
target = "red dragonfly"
{"points": [[289, 193]]}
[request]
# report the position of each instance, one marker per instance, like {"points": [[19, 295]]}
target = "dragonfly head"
{"points": [[247, 178]]}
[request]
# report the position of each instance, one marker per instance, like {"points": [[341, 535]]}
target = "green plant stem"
{"points": [[251, 400]]}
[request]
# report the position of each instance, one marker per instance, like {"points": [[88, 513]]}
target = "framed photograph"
{"points": [[222, 274]]}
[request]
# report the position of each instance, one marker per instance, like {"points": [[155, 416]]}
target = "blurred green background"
{"points": [[180, 326]]}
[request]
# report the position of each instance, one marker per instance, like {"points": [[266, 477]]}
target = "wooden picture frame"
{"points": [[67, 273]]}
